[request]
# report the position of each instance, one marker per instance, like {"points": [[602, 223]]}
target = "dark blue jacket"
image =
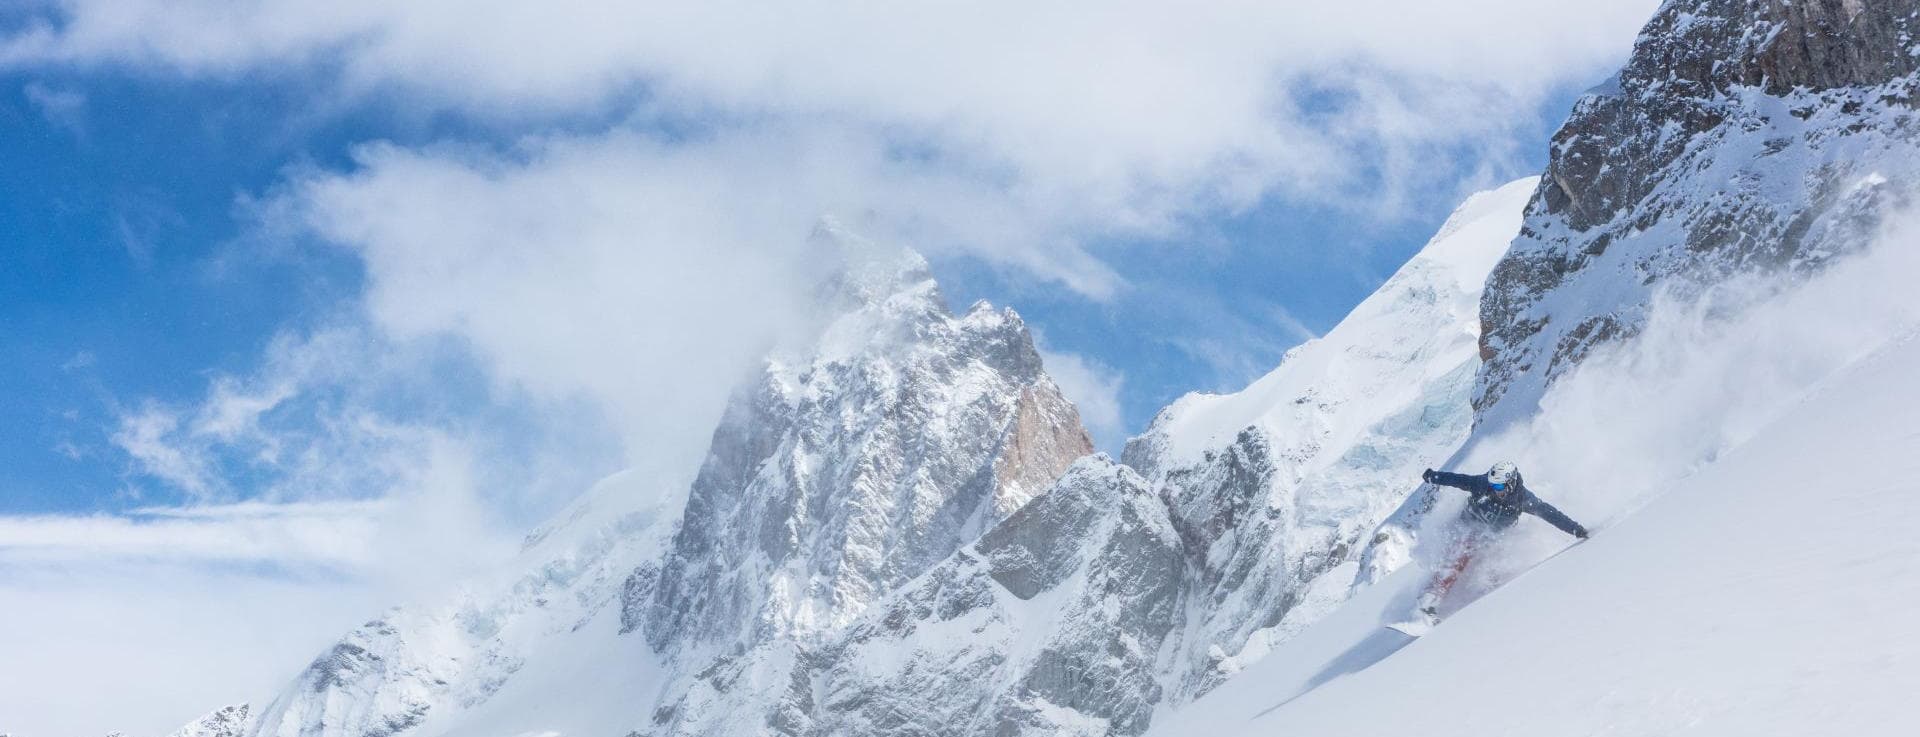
{"points": [[1499, 510]]}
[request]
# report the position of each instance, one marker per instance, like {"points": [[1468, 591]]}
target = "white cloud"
{"points": [[1094, 388], [145, 649], [139, 622], [143, 436], [1085, 118], [142, 621], [335, 537], [640, 276]]}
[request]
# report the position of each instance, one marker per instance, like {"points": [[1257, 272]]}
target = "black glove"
{"points": [[1427, 475], [1581, 533]]}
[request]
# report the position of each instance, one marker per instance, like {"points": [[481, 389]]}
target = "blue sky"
{"points": [[315, 306], [134, 270]]}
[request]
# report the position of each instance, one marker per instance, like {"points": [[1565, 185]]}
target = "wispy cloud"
{"points": [[1290, 324], [64, 108], [146, 436], [334, 537]]}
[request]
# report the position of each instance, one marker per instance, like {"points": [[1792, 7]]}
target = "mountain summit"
{"points": [[841, 470]]}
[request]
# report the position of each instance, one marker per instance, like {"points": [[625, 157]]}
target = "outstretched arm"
{"points": [[1554, 516], [1443, 478]]}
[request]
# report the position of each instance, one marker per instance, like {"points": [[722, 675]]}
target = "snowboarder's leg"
{"points": [[1443, 580], [1459, 555], [1452, 566]]}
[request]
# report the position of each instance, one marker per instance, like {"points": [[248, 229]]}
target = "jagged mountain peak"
{"points": [[857, 270], [847, 469]]}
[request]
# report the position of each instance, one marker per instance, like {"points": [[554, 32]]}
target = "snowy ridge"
{"points": [[1370, 356], [1276, 486]]}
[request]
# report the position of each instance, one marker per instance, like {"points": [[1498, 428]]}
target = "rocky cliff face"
{"points": [[1743, 136], [1051, 624], [844, 472]]}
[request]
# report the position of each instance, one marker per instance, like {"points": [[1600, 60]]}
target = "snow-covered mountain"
{"points": [[228, 721], [847, 470], [1741, 137], [882, 541], [1117, 593], [1275, 488], [854, 461]]}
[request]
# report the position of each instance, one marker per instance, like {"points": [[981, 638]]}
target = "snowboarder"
{"points": [[1498, 498]]}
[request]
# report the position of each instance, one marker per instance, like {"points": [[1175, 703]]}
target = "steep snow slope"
{"points": [[1742, 143], [1771, 593], [1370, 363], [1275, 486]]}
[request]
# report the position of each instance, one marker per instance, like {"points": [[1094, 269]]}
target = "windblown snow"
{"points": [[1764, 593]]}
